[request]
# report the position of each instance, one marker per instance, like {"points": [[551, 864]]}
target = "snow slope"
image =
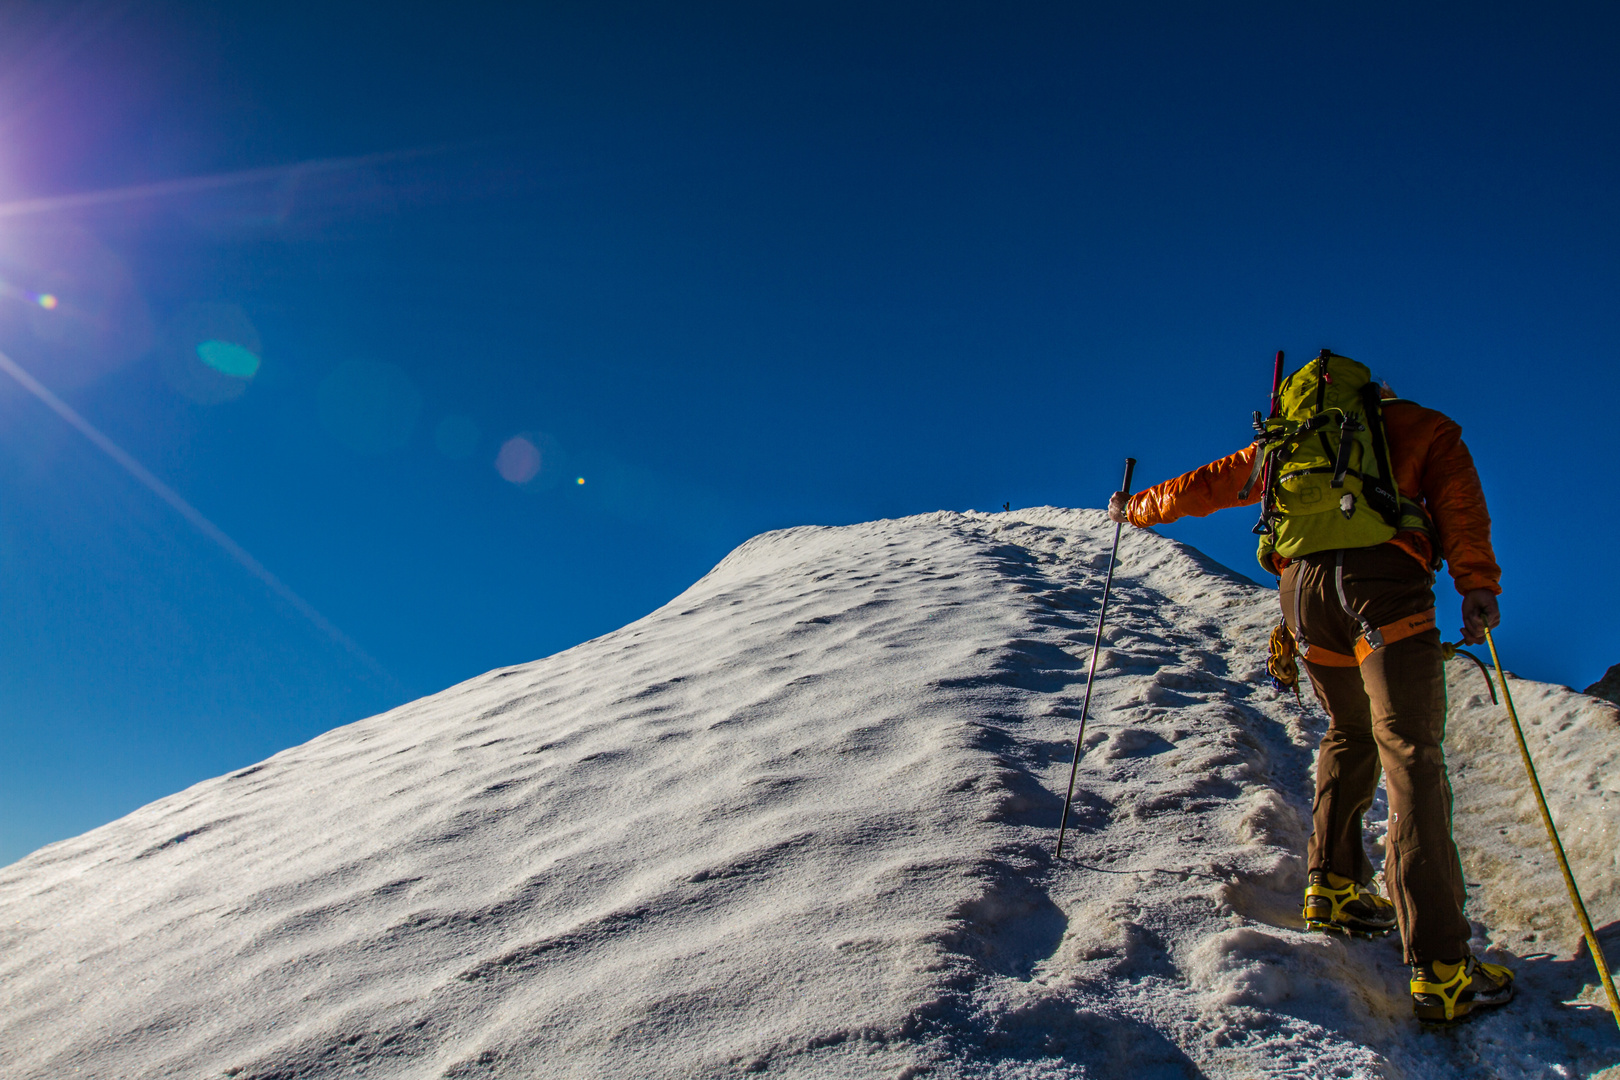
{"points": [[798, 823]]}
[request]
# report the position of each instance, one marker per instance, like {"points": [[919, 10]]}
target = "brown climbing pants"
{"points": [[1389, 712]]}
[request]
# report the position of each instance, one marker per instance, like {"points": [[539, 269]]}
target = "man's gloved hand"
{"points": [[1479, 610], [1116, 507]]}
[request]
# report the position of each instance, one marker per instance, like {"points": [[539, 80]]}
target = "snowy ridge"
{"points": [[798, 822]]}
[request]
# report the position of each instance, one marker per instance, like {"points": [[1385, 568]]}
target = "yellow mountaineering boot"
{"points": [[1340, 905], [1444, 990]]}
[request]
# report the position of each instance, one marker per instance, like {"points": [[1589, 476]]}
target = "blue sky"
{"points": [[738, 267]]}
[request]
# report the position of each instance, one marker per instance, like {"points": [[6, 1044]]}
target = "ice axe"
{"points": [[1096, 647]]}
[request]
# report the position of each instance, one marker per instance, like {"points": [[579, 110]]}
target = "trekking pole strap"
{"points": [[1558, 847]]}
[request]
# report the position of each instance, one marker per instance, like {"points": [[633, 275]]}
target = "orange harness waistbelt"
{"points": [[1370, 642]]}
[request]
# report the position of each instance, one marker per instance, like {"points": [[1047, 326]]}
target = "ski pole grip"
{"points": [[1130, 467]]}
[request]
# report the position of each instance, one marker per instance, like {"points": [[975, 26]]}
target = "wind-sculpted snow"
{"points": [[798, 822]]}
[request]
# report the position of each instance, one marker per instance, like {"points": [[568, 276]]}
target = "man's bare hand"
{"points": [[1116, 507], [1479, 610]]}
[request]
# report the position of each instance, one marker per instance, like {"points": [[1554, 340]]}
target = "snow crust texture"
{"points": [[799, 823]]}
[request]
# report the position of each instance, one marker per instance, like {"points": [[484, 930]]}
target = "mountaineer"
{"points": [[1364, 495]]}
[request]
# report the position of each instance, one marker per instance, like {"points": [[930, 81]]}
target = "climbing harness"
{"points": [[1372, 637]]}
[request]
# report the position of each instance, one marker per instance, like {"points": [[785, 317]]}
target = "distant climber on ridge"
{"points": [[1364, 495]]}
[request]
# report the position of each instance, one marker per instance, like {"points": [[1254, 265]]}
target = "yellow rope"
{"points": [[1558, 848], [1281, 664]]}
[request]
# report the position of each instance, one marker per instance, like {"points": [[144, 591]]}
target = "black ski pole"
{"points": [[1096, 647]]}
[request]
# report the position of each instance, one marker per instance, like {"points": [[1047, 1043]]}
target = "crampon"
{"points": [[1338, 905]]}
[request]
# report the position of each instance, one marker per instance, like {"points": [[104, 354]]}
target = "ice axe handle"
{"points": [[1130, 467]]}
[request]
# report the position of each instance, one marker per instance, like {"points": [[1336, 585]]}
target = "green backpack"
{"points": [[1326, 461]]}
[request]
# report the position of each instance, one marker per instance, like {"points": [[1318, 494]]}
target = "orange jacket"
{"points": [[1432, 466]]}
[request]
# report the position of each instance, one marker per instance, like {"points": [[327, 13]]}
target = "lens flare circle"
{"points": [[228, 358], [211, 352], [82, 314], [519, 460]]}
